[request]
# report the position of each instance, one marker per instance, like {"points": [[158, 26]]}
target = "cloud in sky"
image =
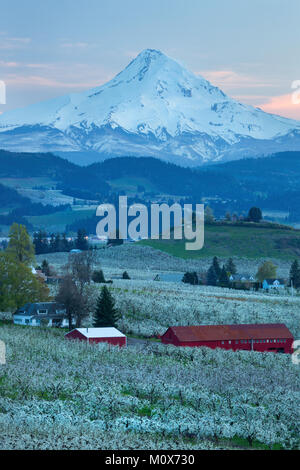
{"points": [[282, 105], [77, 45], [5, 64], [11, 42], [44, 82], [229, 79]]}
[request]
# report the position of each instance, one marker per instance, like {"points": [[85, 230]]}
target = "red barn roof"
{"points": [[106, 332], [231, 332]]}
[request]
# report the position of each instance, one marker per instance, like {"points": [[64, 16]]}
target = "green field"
{"points": [[28, 183], [130, 185], [57, 221], [246, 242]]}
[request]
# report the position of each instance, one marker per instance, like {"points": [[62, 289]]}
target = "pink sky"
{"points": [[282, 105], [259, 91]]}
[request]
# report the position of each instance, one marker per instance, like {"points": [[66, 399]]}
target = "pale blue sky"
{"points": [[250, 48]]}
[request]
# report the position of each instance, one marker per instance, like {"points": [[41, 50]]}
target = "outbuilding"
{"points": [[274, 337], [98, 335]]}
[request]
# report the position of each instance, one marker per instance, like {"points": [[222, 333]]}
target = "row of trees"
{"points": [[214, 276], [59, 243], [254, 215], [220, 276]]}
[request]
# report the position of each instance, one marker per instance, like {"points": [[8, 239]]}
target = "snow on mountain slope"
{"points": [[153, 107]]}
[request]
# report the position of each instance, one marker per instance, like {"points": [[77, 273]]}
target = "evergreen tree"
{"points": [[230, 266], [57, 243], [40, 242], [105, 314], [52, 243], [65, 244], [212, 277], [295, 274], [217, 267], [46, 268], [223, 280], [190, 278], [81, 243], [255, 214]]}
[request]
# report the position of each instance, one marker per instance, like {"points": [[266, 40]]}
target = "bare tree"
{"points": [[75, 300], [74, 291], [80, 266]]}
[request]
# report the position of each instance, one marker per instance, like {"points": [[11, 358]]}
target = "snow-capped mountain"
{"points": [[154, 107]]}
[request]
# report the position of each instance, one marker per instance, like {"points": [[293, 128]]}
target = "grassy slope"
{"points": [[247, 242], [130, 184], [58, 220]]}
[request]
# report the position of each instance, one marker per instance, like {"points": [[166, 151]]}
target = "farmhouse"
{"points": [[273, 284], [242, 277], [98, 335], [274, 337], [54, 280], [41, 314]]}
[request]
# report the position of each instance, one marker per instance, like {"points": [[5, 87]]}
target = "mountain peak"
{"points": [[154, 107], [144, 61], [151, 53]]}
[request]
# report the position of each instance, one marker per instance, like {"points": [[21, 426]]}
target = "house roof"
{"points": [[238, 277], [271, 281], [109, 332], [231, 332], [31, 309]]}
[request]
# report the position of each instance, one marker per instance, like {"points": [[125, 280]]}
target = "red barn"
{"points": [[98, 335], [274, 337]]}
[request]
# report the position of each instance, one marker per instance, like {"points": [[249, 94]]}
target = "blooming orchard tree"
{"points": [[57, 394]]}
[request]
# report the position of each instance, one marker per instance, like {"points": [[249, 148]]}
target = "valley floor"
{"points": [[57, 394]]}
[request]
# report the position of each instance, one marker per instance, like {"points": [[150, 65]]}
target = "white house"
{"points": [[41, 314], [242, 277], [273, 284]]}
